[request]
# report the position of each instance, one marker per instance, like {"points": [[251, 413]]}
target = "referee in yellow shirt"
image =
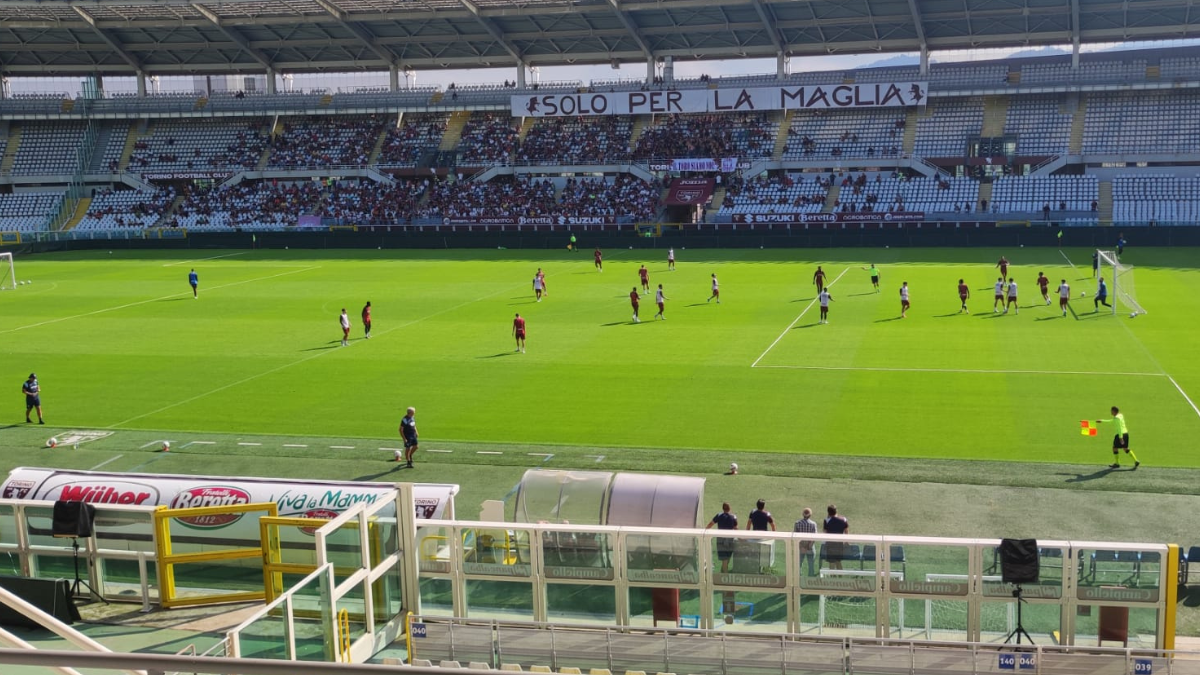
{"points": [[1120, 440]]}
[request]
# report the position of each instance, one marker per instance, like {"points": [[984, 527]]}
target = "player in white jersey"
{"points": [[824, 297], [344, 322], [671, 259], [998, 301], [1012, 297], [1064, 294], [538, 288], [716, 290], [661, 299], [904, 301]]}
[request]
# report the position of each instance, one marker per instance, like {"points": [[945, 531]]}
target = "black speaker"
{"points": [[72, 519], [1019, 561]]}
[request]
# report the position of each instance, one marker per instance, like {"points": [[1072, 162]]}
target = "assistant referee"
{"points": [[1120, 440]]}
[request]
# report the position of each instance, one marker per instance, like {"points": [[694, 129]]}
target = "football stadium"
{"points": [[735, 337]]}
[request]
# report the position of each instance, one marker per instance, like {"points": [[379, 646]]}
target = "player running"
{"points": [[964, 294], [904, 305], [819, 279], [538, 287], [1003, 265], [998, 296], [1012, 297], [634, 299], [874, 272], [366, 319], [518, 331], [660, 299], [1101, 296], [716, 290], [344, 321], [1064, 295], [644, 275], [194, 282], [1043, 283], [1120, 440], [825, 298], [671, 259], [599, 259]]}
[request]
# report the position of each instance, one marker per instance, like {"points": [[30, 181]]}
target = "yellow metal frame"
{"points": [[272, 553], [10, 237], [167, 559], [344, 633], [1172, 597]]}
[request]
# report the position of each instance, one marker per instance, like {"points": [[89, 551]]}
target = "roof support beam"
{"points": [[1074, 33], [108, 39], [920, 26], [357, 30], [494, 30], [631, 28], [768, 18], [235, 36]]}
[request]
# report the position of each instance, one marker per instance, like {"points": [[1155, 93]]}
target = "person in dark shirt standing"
{"points": [[760, 518], [725, 520], [33, 399], [366, 319], [408, 432], [835, 524]]}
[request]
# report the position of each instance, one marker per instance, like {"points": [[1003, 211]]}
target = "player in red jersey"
{"points": [[1044, 283], [633, 300], [1003, 265], [366, 319], [519, 333], [819, 279], [599, 259], [964, 294], [644, 275]]}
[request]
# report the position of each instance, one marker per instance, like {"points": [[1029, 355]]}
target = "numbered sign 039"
{"points": [[1143, 667]]}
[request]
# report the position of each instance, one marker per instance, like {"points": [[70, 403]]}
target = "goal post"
{"points": [[1123, 290], [8, 272]]}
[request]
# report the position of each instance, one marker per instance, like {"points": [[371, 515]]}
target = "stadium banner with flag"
{"points": [[687, 191], [879, 217], [747, 99]]}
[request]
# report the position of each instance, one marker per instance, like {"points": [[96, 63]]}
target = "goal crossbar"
{"points": [[1122, 288]]}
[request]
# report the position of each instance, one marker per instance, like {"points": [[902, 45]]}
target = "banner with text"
{"points": [[749, 99], [529, 220], [895, 217]]}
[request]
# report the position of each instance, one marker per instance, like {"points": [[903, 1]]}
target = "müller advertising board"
{"points": [[295, 498]]}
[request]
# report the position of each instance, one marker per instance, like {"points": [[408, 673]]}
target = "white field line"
{"points": [[144, 302], [195, 260], [294, 445], [795, 321], [488, 452], [445, 452], [306, 359], [107, 461], [1185, 396], [1064, 255], [251, 444], [341, 447], [968, 370]]}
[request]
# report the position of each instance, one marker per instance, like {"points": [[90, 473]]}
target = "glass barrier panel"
{"points": [[1051, 560], [1115, 569], [745, 611], [354, 605], [1113, 626], [928, 619], [8, 524], [122, 578], [38, 521], [750, 562], [496, 553], [509, 600], [928, 569], [433, 549], [577, 555], [581, 603], [384, 539], [839, 615], [265, 638], [343, 548], [58, 565], [123, 530], [662, 558], [388, 595], [437, 596], [672, 606], [1041, 619], [221, 576]]}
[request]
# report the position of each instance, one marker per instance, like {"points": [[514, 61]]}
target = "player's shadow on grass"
{"points": [[333, 344], [1085, 477], [807, 325], [1094, 315], [620, 323], [396, 466], [182, 297], [945, 316], [991, 315], [496, 356], [811, 299], [1050, 318], [698, 304], [859, 295], [894, 318]]}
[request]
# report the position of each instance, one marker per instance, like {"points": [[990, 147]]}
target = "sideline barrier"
{"points": [[168, 561]]}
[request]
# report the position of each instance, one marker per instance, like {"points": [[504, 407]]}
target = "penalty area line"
{"points": [[1184, 394], [980, 371], [795, 321], [195, 260]]}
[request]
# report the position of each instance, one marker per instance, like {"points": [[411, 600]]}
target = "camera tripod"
{"points": [[79, 580], [1020, 629]]}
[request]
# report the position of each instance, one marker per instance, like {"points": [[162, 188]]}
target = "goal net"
{"points": [[1120, 278], [8, 273]]}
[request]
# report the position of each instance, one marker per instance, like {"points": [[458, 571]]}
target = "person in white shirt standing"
{"points": [[904, 305], [998, 300], [671, 259], [344, 319], [661, 299], [716, 290], [825, 299], [1064, 295], [1012, 297]]}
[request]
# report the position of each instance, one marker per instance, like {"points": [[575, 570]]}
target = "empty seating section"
{"points": [[746, 135], [416, 96], [248, 206], [1143, 121], [48, 148], [488, 138], [845, 133], [936, 194], [1181, 68], [1117, 72], [33, 103], [1042, 125], [888, 74], [498, 93], [943, 128], [568, 140], [1163, 199], [110, 143], [199, 145], [791, 193], [325, 141], [126, 208], [1029, 194], [232, 100], [418, 135], [965, 75], [28, 211]]}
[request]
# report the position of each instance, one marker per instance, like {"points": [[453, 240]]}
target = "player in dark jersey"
{"points": [[366, 319], [33, 398], [633, 300], [599, 259], [194, 282], [644, 275], [1043, 283], [518, 330], [408, 433], [964, 294], [819, 279], [1003, 265]]}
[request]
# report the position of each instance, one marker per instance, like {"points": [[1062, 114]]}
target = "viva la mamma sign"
{"points": [[750, 99]]}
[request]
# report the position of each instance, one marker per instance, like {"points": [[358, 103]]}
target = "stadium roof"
{"points": [[116, 37]]}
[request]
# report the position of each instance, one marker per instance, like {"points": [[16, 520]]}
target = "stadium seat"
{"points": [[511, 667], [1122, 562], [570, 670], [421, 663], [541, 669], [599, 671], [449, 664]]}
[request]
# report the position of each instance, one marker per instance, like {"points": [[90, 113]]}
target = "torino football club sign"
{"points": [[749, 99]]}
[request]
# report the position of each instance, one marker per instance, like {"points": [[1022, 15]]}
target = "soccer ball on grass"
{"points": [[52, 443], [166, 446], [733, 468], [1083, 294]]}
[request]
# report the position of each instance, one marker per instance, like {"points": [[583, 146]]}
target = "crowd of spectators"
{"points": [[366, 202], [407, 144], [487, 138], [249, 205], [126, 208], [324, 141], [198, 146], [783, 192], [708, 135], [567, 140], [626, 196]]}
